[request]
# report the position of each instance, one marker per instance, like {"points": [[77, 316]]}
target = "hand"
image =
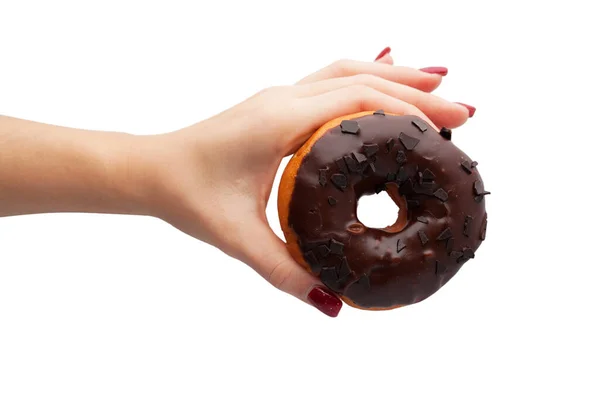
{"points": [[219, 173]]}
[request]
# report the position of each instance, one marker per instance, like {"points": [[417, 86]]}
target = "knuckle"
{"points": [[279, 274], [341, 67], [364, 79]]}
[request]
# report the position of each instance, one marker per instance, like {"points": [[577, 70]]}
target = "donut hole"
{"points": [[377, 211]]}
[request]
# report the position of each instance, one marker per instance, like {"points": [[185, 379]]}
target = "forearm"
{"points": [[46, 168]]}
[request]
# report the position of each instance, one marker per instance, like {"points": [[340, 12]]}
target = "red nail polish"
{"points": [[325, 301], [383, 53], [443, 71], [468, 107]]}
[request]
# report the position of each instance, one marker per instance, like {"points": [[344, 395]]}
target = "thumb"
{"points": [[268, 256]]}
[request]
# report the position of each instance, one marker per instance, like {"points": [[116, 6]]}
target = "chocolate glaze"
{"points": [[442, 218]]}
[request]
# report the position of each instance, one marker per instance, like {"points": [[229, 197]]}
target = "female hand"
{"points": [[215, 177]]}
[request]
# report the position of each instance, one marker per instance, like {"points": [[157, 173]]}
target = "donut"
{"points": [[441, 221]]}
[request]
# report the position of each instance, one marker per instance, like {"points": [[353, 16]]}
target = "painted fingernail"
{"points": [[443, 71], [383, 53], [325, 301], [468, 107]]}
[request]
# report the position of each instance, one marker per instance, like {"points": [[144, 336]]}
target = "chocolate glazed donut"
{"points": [[438, 190]]}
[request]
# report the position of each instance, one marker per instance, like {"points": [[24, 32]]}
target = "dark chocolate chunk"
{"points": [[352, 164], [449, 244], [441, 194], [446, 234], [400, 157], [379, 112], [390, 177], [468, 253], [331, 200], [328, 276], [312, 261], [420, 125], [440, 268], [426, 188], [336, 247], [323, 176], [478, 189], [371, 167], [370, 149], [422, 219], [413, 203], [423, 238], [446, 133], [474, 164], [483, 229], [408, 142], [341, 165], [322, 251], [428, 175], [359, 157], [400, 246], [313, 244], [364, 281], [402, 175], [467, 225], [340, 181], [350, 127], [388, 145], [406, 187], [344, 269], [456, 255], [466, 166]]}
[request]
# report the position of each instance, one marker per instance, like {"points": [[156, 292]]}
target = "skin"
{"points": [[180, 176]]}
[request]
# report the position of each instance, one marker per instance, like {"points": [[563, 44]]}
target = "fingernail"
{"points": [[468, 107], [325, 301], [383, 53], [443, 71]]}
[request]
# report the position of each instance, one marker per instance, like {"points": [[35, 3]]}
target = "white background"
{"points": [[98, 307]]}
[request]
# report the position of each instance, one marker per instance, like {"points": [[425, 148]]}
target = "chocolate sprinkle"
{"points": [[322, 251], [467, 225], [400, 246], [341, 165], [370, 149], [336, 247], [379, 112], [466, 166], [350, 127], [428, 175], [456, 255], [420, 125], [441, 194], [401, 157], [440, 268], [408, 142], [388, 145], [359, 157], [446, 234], [422, 219], [331, 200], [323, 176], [423, 237], [474, 164], [478, 189], [446, 133], [339, 181]]}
